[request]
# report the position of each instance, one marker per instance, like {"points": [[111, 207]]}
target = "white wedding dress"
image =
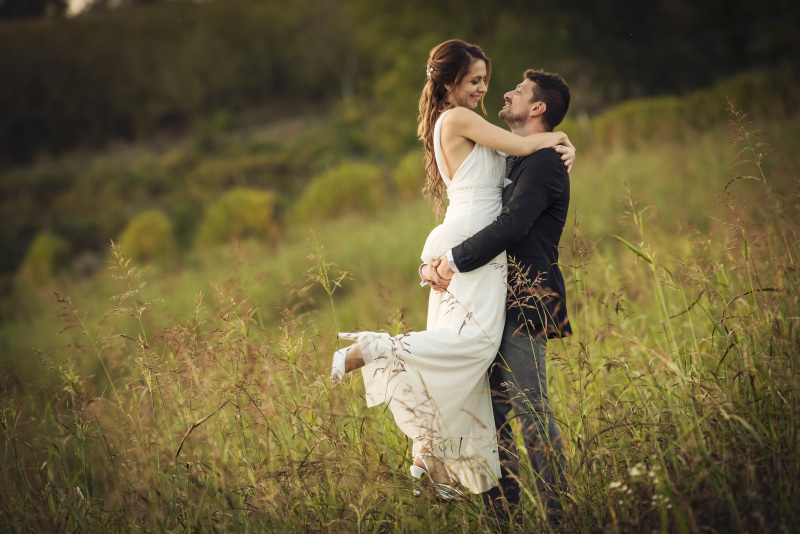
{"points": [[435, 381]]}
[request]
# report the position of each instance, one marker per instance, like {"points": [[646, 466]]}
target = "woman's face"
{"points": [[472, 86]]}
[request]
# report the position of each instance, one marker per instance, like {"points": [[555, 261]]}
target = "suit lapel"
{"points": [[511, 167]]}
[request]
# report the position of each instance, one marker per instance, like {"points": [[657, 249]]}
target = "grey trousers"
{"points": [[518, 378]]}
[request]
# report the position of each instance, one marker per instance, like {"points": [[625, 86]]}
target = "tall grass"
{"points": [[682, 391], [678, 395]]}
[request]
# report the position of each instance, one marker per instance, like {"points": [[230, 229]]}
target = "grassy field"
{"points": [[200, 402]]}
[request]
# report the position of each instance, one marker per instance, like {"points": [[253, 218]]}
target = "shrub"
{"points": [[208, 129], [149, 237], [643, 119], [241, 212], [409, 175], [45, 255], [350, 186], [763, 93], [214, 175], [186, 218]]}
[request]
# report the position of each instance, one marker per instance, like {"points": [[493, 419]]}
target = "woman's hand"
{"points": [[430, 273], [567, 151]]}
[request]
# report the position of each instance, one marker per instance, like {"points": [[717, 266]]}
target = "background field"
{"points": [[178, 382]]}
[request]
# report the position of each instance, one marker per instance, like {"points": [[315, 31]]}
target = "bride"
{"points": [[435, 381]]}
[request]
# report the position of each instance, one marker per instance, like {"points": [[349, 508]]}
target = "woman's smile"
{"points": [[472, 87]]}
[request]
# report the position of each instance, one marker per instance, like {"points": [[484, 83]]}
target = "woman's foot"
{"points": [[432, 466], [347, 359], [426, 465]]}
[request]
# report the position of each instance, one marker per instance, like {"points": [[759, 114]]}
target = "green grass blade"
{"points": [[644, 255]]}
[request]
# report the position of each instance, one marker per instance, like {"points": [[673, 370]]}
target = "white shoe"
{"points": [[444, 491], [337, 367], [365, 340], [339, 357], [352, 336]]}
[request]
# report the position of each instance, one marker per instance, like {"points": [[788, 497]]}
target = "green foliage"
{"points": [[351, 186], [241, 212], [89, 202], [408, 176], [142, 69], [664, 117], [768, 94], [765, 94], [15, 9], [349, 133], [45, 256], [149, 237], [208, 129], [131, 72]]}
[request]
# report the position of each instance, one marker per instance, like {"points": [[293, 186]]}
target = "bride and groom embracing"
{"points": [[451, 387]]}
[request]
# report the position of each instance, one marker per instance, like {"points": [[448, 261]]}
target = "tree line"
{"points": [[148, 66]]}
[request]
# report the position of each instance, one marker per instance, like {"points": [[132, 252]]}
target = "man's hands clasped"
{"points": [[438, 274]]}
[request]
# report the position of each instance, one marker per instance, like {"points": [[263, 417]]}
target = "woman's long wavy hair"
{"points": [[448, 63]]}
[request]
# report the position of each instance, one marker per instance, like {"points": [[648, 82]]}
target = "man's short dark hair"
{"points": [[554, 92]]}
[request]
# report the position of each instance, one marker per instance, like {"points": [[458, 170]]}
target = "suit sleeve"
{"points": [[541, 180]]}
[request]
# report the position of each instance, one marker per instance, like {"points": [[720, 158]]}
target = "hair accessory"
{"points": [[429, 70]]}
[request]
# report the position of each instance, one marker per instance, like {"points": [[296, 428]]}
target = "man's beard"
{"points": [[510, 119]]}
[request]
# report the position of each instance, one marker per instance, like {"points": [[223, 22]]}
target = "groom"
{"points": [[535, 204]]}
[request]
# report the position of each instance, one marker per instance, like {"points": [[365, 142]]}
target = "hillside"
{"points": [[204, 387]]}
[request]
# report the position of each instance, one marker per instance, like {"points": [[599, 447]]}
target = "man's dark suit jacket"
{"points": [[529, 228]]}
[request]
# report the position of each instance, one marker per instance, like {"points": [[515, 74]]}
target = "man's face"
{"points": [[518, 104]]}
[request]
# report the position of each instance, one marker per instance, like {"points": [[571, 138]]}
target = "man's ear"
{"points": [[538, 109]]}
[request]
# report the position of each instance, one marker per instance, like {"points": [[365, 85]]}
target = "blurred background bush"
{"points": [[409, 175], [45, 256], [149, 237], [350, 187], [242, 212]]}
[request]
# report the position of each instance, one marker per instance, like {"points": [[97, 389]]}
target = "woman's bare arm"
{"points": [[466, 123]]}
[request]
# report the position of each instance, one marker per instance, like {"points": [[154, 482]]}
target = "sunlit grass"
{"points": [[678, 395]]}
